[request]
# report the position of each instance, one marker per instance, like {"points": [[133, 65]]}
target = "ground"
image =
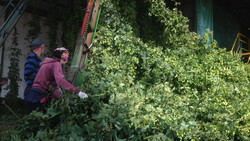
{"points": [[8, 120]]}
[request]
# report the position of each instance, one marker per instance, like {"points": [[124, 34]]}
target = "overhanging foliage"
{"points": [[178, 89]]}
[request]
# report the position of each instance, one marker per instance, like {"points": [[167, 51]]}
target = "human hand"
{"points": [[82, 95]]}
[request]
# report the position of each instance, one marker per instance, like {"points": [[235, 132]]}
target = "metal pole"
{"points": [[3, 45], [2, 58]]}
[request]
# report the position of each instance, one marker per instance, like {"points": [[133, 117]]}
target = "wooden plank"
{"points": [[94, 14], [89, 38]]}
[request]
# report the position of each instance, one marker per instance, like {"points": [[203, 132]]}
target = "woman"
{"points": [[50, 73]]}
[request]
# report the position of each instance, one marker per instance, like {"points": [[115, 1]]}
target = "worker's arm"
{"points": [[60, 79]]}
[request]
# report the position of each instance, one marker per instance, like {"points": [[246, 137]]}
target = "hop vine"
{"points": [[13, 74]]}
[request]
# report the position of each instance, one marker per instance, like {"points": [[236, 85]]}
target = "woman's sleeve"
{"points": [[60, 80]]}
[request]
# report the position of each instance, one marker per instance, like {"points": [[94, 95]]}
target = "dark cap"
{"points": [[36, 44]]}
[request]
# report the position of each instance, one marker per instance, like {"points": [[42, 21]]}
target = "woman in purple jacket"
{"points": [[50, 73]]}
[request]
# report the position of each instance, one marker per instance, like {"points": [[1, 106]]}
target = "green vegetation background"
{"points": [[149, 78]]}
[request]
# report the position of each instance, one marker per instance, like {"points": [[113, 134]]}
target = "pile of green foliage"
{"points": [[168, 85]]}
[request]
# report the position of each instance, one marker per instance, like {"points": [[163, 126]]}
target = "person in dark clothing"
{"points": [[32, 64], [33, 61], [3, 81]]}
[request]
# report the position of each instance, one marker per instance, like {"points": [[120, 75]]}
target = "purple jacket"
{"points": [[50, 73]]}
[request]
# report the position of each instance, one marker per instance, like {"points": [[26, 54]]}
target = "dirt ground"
{"points": [[7, 119]]}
